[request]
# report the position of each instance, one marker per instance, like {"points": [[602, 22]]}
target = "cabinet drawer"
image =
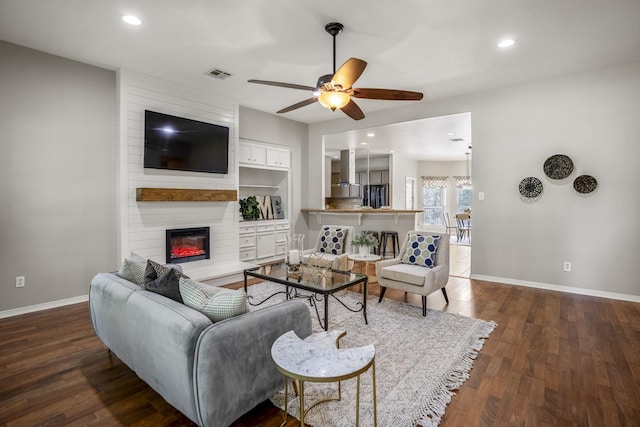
{"points": [[246, 241], [265, 228], [281, 236], [247, 254], [280, 248], [245, 229], [284, 226]]}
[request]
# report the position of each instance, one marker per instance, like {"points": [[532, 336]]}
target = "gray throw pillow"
{"points": [[133, 270], [163, 281]]}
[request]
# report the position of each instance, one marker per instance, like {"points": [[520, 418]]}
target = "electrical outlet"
{"points": [[20, 282], [567, 266]]}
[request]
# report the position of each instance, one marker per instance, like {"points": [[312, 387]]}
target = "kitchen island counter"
{"points": [[399, 220]]}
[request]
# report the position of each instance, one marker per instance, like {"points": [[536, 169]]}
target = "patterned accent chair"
{"points": [[332, 248], [422, 267]]}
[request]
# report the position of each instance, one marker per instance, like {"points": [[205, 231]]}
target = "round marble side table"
{"points": [[317, 359]]}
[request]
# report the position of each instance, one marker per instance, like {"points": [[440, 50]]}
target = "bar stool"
{"points": [[384, 236], [375, 233]]}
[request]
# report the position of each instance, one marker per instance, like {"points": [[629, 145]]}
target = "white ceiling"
{"points": [[439, 47], [425, 139]]}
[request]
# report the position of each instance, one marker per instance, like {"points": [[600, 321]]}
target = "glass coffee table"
{"points": [[319, 283]]}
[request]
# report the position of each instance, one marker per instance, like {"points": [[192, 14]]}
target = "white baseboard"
{"points": [[43, 306], [559, 288]]}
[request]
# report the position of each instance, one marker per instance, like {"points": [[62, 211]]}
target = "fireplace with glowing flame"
{"points": [[187, 244]]}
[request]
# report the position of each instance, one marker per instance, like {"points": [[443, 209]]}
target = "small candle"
{"points": [[294, 256]]}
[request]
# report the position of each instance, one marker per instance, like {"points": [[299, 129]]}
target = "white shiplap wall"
{"points": [[142, 225]]}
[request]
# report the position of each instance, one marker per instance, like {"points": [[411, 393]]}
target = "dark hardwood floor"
{"points": [[555, 359]]}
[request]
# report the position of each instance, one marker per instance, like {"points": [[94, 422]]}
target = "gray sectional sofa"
{"points": [[212, 373]]}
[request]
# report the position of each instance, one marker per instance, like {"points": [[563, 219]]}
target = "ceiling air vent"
{"points": [[456, 139], [219, 74]]}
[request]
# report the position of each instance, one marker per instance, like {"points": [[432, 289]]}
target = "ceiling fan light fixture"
{"points": [[333, 100]]}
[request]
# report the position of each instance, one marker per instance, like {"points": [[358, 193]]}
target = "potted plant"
{"points": [[249, 208], [364, 241]]}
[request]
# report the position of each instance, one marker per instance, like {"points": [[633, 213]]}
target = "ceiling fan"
{"points": [[335, 91]]}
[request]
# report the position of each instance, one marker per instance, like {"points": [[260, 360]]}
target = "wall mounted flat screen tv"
{"points": [[177, 143]]}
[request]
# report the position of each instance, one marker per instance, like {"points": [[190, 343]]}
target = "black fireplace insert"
{"points": [[187, 244]]}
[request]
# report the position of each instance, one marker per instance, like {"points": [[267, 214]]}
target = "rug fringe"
{"points": [[436, 404]]}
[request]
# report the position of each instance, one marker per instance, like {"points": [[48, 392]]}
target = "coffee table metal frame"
{"points": [[331, 282]]}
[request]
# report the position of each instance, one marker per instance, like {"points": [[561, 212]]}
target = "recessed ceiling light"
{"points": [[131, 20], [371, 134], [363, 143], [506, 43], [451, 133], [392, 151]]}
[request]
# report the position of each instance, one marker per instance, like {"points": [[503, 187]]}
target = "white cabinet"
{"points": [[252, 154], [278, 158], [265, 240], [263, 155], [282, 231], [262, 240], [247, 242]]}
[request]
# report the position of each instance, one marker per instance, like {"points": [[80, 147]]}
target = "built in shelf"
{"points": [[258, 186], [184, 195]]}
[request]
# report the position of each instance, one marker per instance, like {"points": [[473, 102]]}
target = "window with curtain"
{"points": [[463, 184], [464, 199], [434, 190]]}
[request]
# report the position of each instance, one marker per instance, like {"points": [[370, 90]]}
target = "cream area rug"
{"points": [[420, 361]]}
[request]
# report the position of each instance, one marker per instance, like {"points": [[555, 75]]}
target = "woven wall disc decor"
{"points": [[530, 187], [558, 166], [585, 184]]}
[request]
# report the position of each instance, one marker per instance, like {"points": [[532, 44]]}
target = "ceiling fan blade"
{"points": [[349, 72], [298, 105], [386, 94], [352, 110], [280, 84]]}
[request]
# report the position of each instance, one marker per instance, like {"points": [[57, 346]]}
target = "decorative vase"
{"points": [[364, 250]]}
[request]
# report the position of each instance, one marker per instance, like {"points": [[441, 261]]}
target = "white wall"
{"points": [[590, 116], [57, 177], [401, 167], [263, 127], [143, 224]]}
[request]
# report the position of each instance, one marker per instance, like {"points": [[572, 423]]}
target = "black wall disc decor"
{"points": [[558, 166], [530, 187], [585, 184]]}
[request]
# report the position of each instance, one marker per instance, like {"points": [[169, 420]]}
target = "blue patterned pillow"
{"points": [[421, 250], [332, 240]]}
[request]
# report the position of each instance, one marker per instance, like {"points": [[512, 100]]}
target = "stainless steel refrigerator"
{"points": [[375, 195]]}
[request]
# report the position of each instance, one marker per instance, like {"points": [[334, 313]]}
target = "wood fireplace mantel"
{"points": [[184, 195]]}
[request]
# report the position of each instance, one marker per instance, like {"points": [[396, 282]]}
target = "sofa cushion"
{"points": [[408, 273], [421, 250], [332, 240], [215, 303], [133, 269], [162, 280]]}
